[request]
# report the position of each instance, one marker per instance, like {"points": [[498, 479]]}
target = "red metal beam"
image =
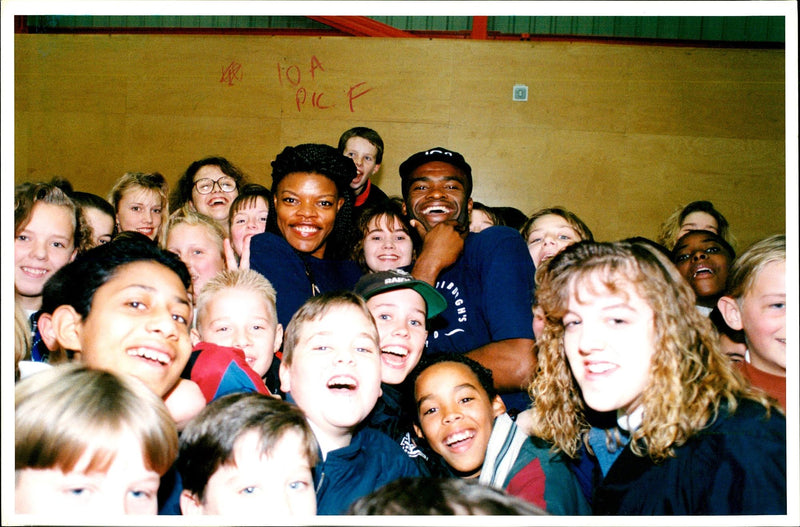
{"points": [[361, 26], [480, 27]]}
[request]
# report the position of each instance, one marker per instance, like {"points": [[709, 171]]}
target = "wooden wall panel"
{"points": [[621, 134]]}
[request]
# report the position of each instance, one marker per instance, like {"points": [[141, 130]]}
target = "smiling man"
{"points": [[486, 277]]}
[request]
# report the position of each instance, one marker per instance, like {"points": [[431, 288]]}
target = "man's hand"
{"points": [[441, 247]]}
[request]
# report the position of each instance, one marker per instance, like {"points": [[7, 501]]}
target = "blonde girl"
{"points": [[622, 336], [140, 203], [198, 242], [696, 216]]}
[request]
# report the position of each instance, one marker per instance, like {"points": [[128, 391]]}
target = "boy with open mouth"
{"points": [[331, 368]]}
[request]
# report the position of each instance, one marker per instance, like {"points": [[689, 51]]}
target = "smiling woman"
{"points": [[306, 248]]}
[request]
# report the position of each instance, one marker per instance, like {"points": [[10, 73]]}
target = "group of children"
{"points": [[233, 364]]}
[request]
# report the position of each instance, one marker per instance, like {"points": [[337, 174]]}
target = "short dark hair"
{"points": [[441, 496], [489, 211], [483, 373], [76, 283], [387, 209], [93, 201], [367, 133], [209, 438], [183, 190], [248, 194], [328, 162]]}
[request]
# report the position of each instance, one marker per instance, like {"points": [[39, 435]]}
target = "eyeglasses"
{"points": [[206, 185]]}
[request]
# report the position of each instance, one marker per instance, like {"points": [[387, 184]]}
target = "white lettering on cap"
{"points": [[397, 280], [437, 151]]}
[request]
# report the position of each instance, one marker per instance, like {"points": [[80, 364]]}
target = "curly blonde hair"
{"points": [[689, 376]]}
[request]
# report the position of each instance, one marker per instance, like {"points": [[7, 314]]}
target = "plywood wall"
{"points": [[620, 134]]}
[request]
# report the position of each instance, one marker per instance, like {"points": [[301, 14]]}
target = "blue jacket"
{"points": [[736, 465], [291, 273], [371, 460], [488, 292]]}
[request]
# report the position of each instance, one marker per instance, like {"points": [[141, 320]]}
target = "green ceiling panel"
{"points": [[755, 29]]}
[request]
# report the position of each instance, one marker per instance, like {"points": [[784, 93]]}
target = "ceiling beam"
{"points": [[361, 26], [480, 27]]}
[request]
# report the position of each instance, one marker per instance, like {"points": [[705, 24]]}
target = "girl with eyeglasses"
{"points": [[209, 186]]}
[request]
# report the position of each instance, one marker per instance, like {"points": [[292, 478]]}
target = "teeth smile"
{"points": [[306, 229], [31, 270], [703, 270], [436, 210], [599, 368], [151, 354], [395, 350], [458, 437]]}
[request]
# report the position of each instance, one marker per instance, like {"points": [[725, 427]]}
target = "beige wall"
{"points": [[620, 134]]}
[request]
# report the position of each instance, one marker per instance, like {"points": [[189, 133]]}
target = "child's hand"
{"points": [[230, 256]]}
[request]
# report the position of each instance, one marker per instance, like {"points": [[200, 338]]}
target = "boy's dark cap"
{"points": [[434, 154], [372, 284]]}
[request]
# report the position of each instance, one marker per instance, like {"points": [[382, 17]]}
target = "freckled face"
{"points": [[306, 204]]}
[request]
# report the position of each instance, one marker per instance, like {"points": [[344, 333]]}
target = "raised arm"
{"points": [[512, 361]]}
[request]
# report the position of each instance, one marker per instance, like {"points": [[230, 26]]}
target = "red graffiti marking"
{"points": [[353, 96], [315, 64], [305, 94], [231, 73], [316, 99]]}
